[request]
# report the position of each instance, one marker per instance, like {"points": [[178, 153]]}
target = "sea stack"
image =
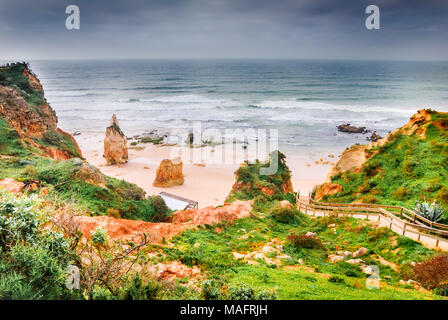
{"points": [[169, 173], [115, 144]]}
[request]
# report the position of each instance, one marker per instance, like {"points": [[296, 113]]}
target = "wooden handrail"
{"points": [[368, 205]]}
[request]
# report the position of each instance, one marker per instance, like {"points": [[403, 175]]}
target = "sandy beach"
{"points": [[208, 178]]}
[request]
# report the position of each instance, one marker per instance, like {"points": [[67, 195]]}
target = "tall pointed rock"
{"points": [[115, 144]]}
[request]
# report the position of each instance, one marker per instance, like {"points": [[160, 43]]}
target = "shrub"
{"points": [[242, 292], [377, 233], [211, 290], [284, 214], [301, 240], [371, 168], [442, 290], [30, 273], [138, 290], [100, 236], [369, 198], [267, 295], [433, 272], [401, 193], [162, 211], [336, 279], [115, 213], [442, 195], [101, 293]]}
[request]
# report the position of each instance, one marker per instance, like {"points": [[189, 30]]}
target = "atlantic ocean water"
{"points": [[303, 99]]}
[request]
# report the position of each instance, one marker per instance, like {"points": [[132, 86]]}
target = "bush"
{"points": [[284, 214], [336, 279], [432, 273], [100, 236], [137, 290], [442, 290], [242, 292], [401, 193], [267, 295], [211, 290], [301, 240], [30, 273], [162, 211]]}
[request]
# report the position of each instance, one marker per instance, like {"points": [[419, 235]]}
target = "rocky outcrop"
{"points": [[115, 144], [133, 230], [24, 107], [347, 128], [327, 189], [417, 124], [11, 185], [169, 173], [28, 121], [351, 158], [374, 137]]}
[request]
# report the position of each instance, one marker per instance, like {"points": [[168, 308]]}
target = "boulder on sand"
{"points": [[169, 174], [115, 144]]}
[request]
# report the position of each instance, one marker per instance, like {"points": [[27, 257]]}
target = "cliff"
{"points": [[38, 157], [408, 164], [24, 107]]}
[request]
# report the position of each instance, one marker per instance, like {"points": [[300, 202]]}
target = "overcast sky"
{"points": [[327, 29]]}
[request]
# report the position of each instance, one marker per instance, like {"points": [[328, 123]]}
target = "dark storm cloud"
{"points": [[410, 29]]}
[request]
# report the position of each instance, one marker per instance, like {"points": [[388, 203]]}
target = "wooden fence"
{"points": [[399, 219]]}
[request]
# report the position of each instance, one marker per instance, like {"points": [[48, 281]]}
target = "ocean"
{"points": [[304, 99]]}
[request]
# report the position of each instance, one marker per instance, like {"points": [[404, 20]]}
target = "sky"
{"points": [[233, 29]]}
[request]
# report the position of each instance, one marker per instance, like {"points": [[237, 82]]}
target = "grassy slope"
{"points": [[407, 168], [292, 281], [214, 254]]}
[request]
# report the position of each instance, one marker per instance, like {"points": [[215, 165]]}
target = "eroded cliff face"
{"points": [[24, 107]]}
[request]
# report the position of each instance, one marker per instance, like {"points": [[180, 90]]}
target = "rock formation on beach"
{"points": [[249, 179], [169, 173], [351, 129], [115, 143]]}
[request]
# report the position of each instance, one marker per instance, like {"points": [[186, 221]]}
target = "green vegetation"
{"points": [[405, 169], [432, 212], [33, 260], [68, 181], [11, 75], [10, 142], [316, 278], [250, 181]]}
